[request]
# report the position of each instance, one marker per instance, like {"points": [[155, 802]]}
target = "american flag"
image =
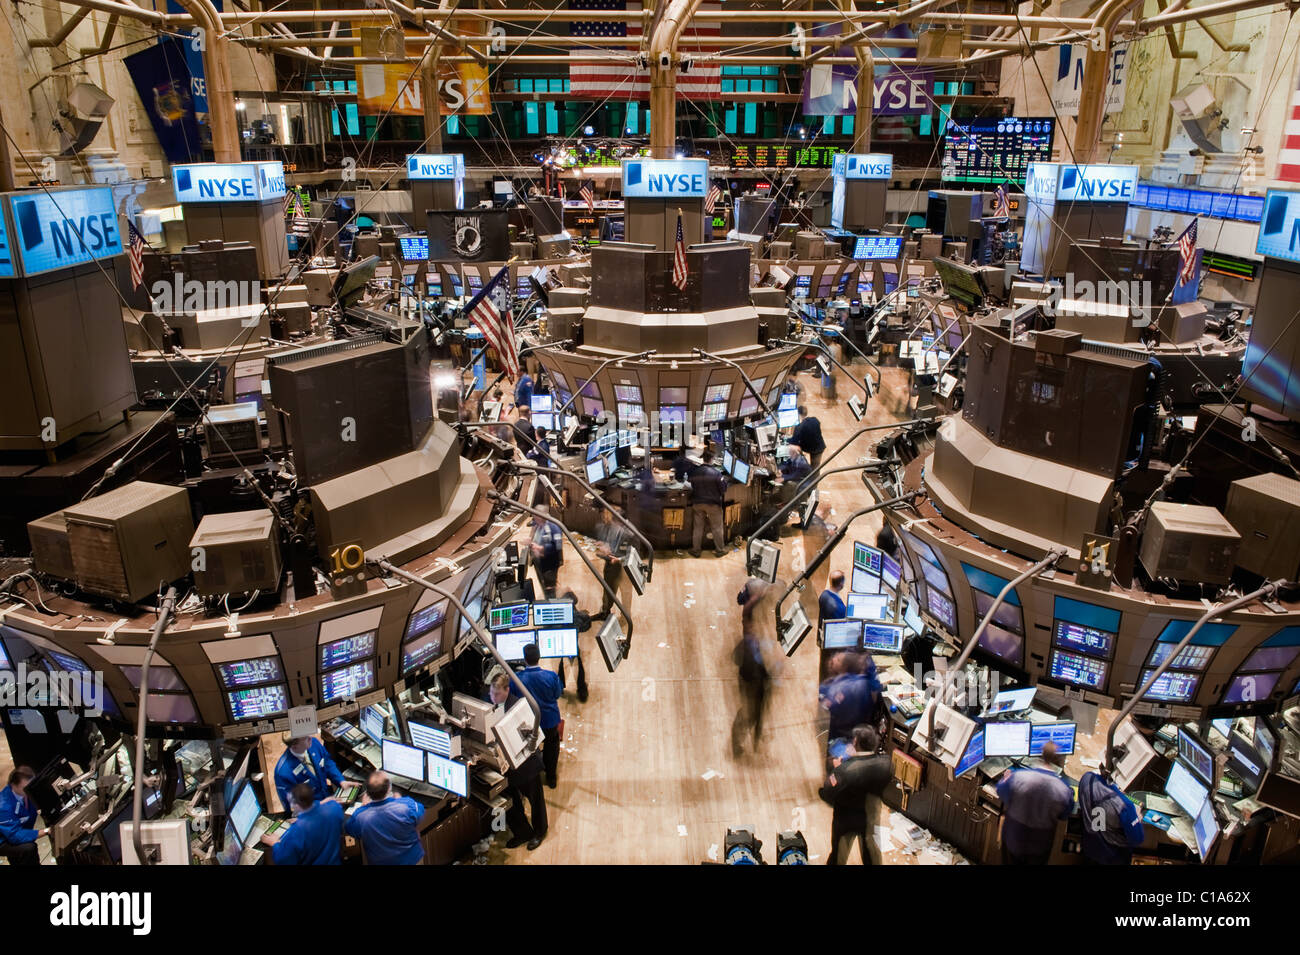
{"points": [[135, 254], [495, 323], [625, 81], [679, 257], [711, 200], [293, 204], [1187, 254], [1001, 203], [1288, 157], [587, 194]]}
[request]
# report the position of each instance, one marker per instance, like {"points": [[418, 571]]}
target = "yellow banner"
{"points": [[395, 88]]}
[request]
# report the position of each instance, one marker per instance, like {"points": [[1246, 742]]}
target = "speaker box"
{"points": [[1267, 509], [554, 246], [1190, 543], [50, 550], [127, 542], [809, 245], [240, 551], [232, 428]]}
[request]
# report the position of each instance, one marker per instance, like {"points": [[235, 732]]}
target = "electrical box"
{"points": [[1190, 543]]}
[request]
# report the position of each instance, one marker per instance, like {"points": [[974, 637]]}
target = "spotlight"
{"points": [[791, 848], [742, 848]]}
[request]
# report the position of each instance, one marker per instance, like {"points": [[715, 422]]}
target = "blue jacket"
{"points": [[849, 700], [830, 607], [389, 831], [551, 538], [290, 771], [315, 838], [808, 435], [524, 391], [1111, 835], [546, 688], [17, 815], [795, 469], [1032, 802]]}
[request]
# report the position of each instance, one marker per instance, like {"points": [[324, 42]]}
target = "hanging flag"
{"points": [[1288, 157], [1187, 254], [711, 199], [587, 194], [135, 254], [623, 80], [495, 323], [1001, 203], [679, 257], [293, 204]]}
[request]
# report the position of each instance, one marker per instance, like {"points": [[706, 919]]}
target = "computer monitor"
{"points": [[952, 733], [1245, 761], [1062, 734], [509, 733], [596, 470], [448, 774], [552, 613], [1007, 739], [740, 471], [1196, 754], [373, 722], [432, 739], [1206, 828], [868, 606], [794, 627], [868, 558], [635, 570], [244, 812], [346, 682], [912, 616], [973, 756], [510, 644], [841, 634], [873, 248], [1185, 789], [609, 638], [889, 571], [477, 716], [882, 637], [415, 248], [557, 642], [765, 436], [808, 508], [1265, 741], [508, 616], [864, 582], [1172, 686], [1012, 701], [787, 419], [398, 759], [1078, 670]]}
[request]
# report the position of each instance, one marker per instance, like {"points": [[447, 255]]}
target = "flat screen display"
{"points": [[1007, 739], [511, 644], [244, 813], [941, 608], [871, 248], [348, 650], [1185, 789], [1078, 670], [841, 634], [242, 673], [258, 703], [1196, 754], [448, 774], [974, 754], [1172, 687], [882, 637], [868, 558], [421, 650], [347, 682], [402, 760], [1062, 734], [869, 606], [995, 150], [553, 613], [1073, 636], [508, 616], [864, 582]]}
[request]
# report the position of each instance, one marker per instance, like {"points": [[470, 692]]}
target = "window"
{"points": [[1004, 637], [1259, 674]]}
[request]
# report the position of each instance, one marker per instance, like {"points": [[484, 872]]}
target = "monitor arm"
{"points": [[166, 613], [767, 410]]}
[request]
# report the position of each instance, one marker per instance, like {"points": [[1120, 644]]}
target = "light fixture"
{"points": [[239, 105]]}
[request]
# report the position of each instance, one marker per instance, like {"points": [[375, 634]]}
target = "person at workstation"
{"points": [[1033, 802], [523, 434], [1112, 824], [854, 789], [548, 550], [524, 391], [682, 467], [795, 467], [526, 783], [316, 835], [387, 826], [546, 688], [708, 502], [612, 548], [808, 435], [540, 452], [17, 816], [498, 690], [304, 760], [830, 605], [846, 696]]}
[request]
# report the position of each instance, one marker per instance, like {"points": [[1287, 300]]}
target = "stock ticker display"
{"points": [[995, 150]]}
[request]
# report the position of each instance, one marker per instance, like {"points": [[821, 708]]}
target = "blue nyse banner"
{"points": [[863, 165], [1279, 232], [229, 182], [63, 228], [435, 166], [1098, 182], [665, 178]]}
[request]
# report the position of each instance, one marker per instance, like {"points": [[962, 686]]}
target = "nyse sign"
{"points": [[665, 178], [1279, 232], [863, 165], [63, 228], [429, 166], [229, 182], [1097, 183]]}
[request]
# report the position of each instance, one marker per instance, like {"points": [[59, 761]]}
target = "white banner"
{"points": [[1069, 79]]}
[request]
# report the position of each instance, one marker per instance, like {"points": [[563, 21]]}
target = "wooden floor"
{"points": [[647, 774]]}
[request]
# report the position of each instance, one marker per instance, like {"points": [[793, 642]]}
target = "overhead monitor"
{"points": [[869, 606], [508, 616], [398, 759], [415, 248], [873, 248], [1078, 670], [882, 637], [793, 628], [1196, 754], [952, 732], [1007, 739], [1061, 734], [1087, 640], [448, 774], [1185, 789], [258, 703], [348, 650], [240, 673], [995, 150], [1171, 687], [609, 638], [346, 682], [1206, 828], [841, 634], [973, 756], [512, 734], [1012, 701]]}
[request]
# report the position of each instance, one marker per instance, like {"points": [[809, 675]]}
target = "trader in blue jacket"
{"points": [[388, 826], [316, 836], [546, 687], [17, 815], [305, 761]]}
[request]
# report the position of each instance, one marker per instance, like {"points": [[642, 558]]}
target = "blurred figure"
{"points": [[854, 789], [795, 467], [540, 453], [887, 541], [1112, 823], [524, 391], [548, 550], [818, 532], [1033, 803], [830, 606], [752, 669], [612, 548], [581, 623], [808, 435], [846, 696]]}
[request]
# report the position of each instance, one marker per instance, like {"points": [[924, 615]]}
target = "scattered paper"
{"points": [[681, 830], [883, 840], [711, 774]]}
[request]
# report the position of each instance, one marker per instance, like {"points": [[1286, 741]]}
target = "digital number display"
{"points": [[250, 672], [259, 703], [347, 650], [995, 151]]}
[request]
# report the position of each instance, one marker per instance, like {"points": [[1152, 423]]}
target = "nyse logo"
{"points": [[272, 183], [70, 237], [1096, 184], [664, 183], [431, 167], [869, 167]]}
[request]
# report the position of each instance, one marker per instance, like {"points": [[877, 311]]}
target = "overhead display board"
{"points": [[995, 151]]}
